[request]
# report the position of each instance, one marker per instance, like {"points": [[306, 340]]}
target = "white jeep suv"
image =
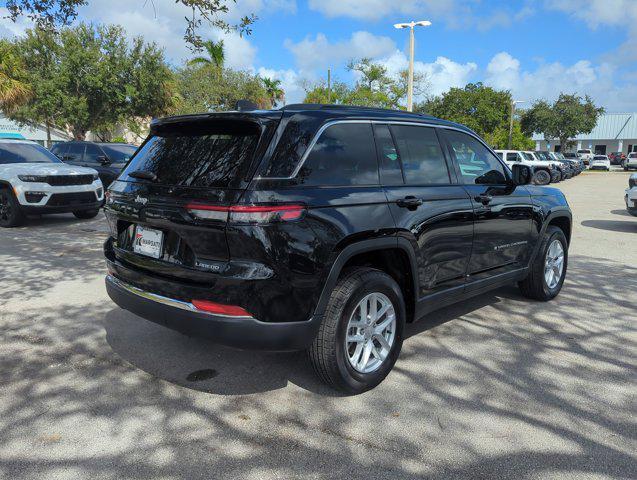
{"points": [[542, 171], [34, 181]]}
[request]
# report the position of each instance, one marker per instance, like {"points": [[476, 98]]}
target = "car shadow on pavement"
{"points": [[498, 387], [612, 225], [200, 364], [623, 213]]}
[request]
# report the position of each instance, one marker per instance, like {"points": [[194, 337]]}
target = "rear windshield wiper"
{"points": [[143, 175]]}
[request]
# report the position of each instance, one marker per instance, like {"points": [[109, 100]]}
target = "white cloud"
{"points": [[162, 21], [598, 12], [10, 29], [442, 74], [377, 9], [602, 13], [316, 53], [547, 81], [454, 13]]}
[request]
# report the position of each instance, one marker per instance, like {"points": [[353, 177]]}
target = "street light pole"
{"points": [[513, 103], [410, 80], [410, 83]]}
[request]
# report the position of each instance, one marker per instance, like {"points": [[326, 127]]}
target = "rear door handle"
{"points": [[484, 199], [410, 202]]}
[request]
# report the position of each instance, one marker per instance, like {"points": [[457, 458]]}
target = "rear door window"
{"points": [[218, 155], [391, 170], [477, 164], [421, 156], [512, 157], [92, 154], [344, 154], [74, 153]]}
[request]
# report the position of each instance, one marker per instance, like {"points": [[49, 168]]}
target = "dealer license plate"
{"points": [[148, 241]]}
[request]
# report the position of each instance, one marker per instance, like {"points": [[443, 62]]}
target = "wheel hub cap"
{"points": [[371, 332], [554, 264]]}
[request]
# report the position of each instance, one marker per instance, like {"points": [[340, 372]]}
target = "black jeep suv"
{"points": [[324, 228]]}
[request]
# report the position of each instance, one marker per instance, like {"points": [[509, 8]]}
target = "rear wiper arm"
{"points": [[143, 175]]}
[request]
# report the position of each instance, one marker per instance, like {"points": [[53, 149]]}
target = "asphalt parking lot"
{"points": [[497, 387]]}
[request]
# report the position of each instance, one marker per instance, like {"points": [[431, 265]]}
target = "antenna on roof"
{"points": [[246, 106]]}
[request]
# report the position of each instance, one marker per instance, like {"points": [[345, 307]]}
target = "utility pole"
{"points": [[513, 103], [329, 85], [410, 81]]}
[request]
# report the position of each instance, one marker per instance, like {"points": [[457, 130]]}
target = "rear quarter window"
{"points": [[344, 154]]}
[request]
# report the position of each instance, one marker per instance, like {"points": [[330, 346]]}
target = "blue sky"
{"points": [[535, 48]]}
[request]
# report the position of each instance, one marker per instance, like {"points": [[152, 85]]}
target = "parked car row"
{"points": [[546, 167], [35, 181]]}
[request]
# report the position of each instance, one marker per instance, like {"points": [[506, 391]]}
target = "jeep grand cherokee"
{"points": [[324, 228]]}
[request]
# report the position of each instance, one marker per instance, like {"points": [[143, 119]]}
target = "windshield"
{"points": [[528, 156], [118, 153], [542, 155], [25, 153], [198, 155]]}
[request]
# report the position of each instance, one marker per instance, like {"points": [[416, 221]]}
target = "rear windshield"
{"points": [[632, 155], [25, 153], [118, 153], [599, 157], [583, 151], [207, 155]]}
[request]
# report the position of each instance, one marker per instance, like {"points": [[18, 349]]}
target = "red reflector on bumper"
{"points": [[220, 309]]}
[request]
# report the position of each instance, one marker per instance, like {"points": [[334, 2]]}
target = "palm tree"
{"points": [[13, 91], [216, 55], [274, 90]]}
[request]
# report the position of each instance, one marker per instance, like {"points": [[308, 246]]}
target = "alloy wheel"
{"points": [[554, 264], [371, 332]]}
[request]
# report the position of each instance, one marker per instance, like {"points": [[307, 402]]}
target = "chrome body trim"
{"points": [[325, 126], [171, 302]]}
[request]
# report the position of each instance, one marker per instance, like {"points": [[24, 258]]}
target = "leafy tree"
{"points": [[201, 92], [88, 78], [216, 55], [499, 138], [49, 14], [479, 107], [318, 93], [566, 118], [14, 91], [274, 90], [373, 88]]}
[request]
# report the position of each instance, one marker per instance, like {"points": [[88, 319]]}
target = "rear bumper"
{"points": [[240, 332]]}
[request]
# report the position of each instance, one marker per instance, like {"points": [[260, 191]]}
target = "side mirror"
{"points": [[522, 174], [103, 159]]}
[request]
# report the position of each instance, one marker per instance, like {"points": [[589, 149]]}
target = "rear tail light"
{"points": [[250, 214], [220, 309]]}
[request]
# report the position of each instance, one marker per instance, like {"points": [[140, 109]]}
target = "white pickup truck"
{"points": [[586, 154], [542, 171]]}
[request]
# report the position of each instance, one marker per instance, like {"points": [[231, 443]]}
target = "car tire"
{"points": [[335, 359], [86, 214], [539, 285], [541, 177], [11, 214]]}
